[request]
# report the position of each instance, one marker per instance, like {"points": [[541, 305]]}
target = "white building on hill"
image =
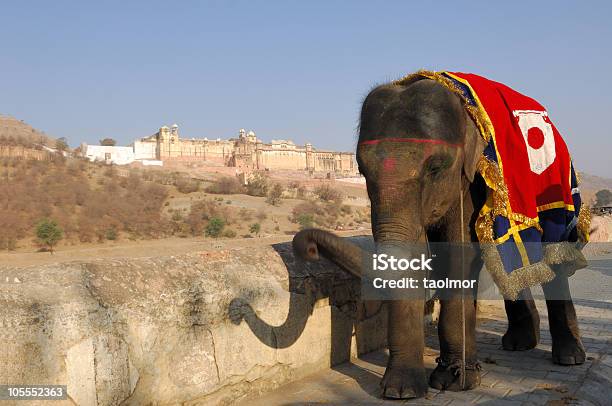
{"points": [[109, 155]]}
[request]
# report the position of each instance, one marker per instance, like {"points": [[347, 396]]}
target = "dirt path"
{"points": [[136, 249]]}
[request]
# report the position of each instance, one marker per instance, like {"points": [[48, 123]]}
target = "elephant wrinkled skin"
{"points": [[418, 151]]}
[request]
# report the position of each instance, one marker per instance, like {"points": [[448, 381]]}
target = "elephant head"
{"points": [[417, 149]]}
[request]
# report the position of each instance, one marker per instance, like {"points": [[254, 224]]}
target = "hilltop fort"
{"points": [[246, 153]]}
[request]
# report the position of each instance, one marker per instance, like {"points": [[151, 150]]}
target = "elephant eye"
{"points": [[436, 165]]}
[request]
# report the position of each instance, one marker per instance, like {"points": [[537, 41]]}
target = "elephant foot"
{"points": [[404, 383], [447, 376], [568, 351], [522, 335]]}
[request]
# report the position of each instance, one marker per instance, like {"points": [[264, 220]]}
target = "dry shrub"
{"points": [[362, 215], [63, 191], [298, 189], [346, 209], [275, 194], [306, 208], [245, 214], [261, 215], [258, 185], [203, 211], [300, 192], [327, 193], [186, 185], [311, 213], [229, 233], [227, 185]]}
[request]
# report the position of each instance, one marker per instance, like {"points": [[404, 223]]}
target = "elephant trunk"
{"points": [[309, 244]]}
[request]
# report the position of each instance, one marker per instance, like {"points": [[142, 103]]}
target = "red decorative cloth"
{"points": [[531, 224], [532, 156]]}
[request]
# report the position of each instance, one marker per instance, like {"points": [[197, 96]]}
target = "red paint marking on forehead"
{"points": [[413, 140], [389, 164]]}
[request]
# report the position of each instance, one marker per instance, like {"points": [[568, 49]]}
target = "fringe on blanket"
{"points": [[563, 257]]}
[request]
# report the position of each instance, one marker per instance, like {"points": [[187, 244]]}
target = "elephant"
{"points": [[430, 190]]}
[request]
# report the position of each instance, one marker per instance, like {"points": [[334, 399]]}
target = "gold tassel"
{"points": [[564, 252], [484, 227], [584, 223], [564, 257]]}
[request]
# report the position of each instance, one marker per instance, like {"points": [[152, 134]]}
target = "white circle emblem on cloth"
{"points": [[539, 138]]}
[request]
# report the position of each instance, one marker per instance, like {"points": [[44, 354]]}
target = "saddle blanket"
{"points": [[533, 223]]}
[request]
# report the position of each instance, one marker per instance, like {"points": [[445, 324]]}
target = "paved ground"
{"points": [[508, 378]]}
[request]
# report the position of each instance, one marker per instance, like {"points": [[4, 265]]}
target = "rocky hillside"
{"points": [[14, 131]]}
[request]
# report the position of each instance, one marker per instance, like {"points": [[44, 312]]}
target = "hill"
{"points": [[591, 184], [18, 132]]}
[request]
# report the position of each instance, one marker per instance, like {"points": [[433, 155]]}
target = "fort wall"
{"points": [[246, 153], [21, 152]]}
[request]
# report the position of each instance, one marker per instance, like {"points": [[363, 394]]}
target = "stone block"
{"points": [[98, 371], [161, 330]]}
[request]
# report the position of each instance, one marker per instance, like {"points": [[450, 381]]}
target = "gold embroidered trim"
{"points": [[584, 223], [511, 285], [482, 122], [564, 257], [497, 202], [564, 253]]}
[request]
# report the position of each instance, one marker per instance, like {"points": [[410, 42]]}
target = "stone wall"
{"points": [[203, 328], [246, 153], [275, 159], [21, 152], [145, 150]]}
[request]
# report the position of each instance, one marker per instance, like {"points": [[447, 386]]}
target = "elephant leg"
{"points": [[567, 348], [523, 323], [450, 333], [457, 324], [405, 374]]}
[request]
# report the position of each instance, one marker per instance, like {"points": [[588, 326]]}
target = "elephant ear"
{"points": [[472, 149]]}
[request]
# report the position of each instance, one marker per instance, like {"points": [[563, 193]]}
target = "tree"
{"points": [[258, 185], [255, 229], [48, 233], [61, 144], [274, 195], [603, 198], [111, 234], [328, 194], [108, 142], [305, 220], [300, 192], [214, 228]]}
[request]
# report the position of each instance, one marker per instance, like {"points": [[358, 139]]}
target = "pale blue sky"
{"points": [[292, 69]]}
